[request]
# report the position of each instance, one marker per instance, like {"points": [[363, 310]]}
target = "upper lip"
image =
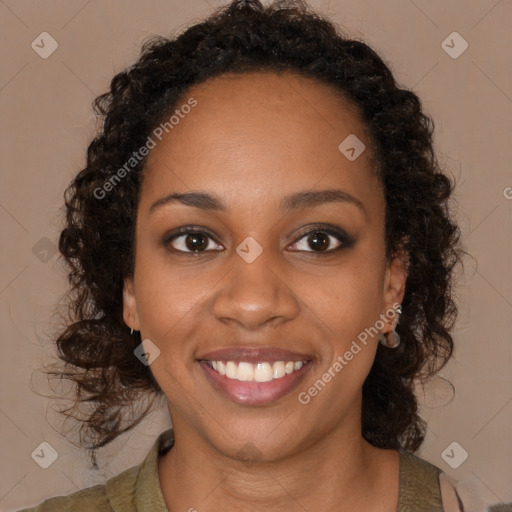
{"points": [[254, 355]]}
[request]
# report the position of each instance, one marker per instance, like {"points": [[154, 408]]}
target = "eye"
{"points": [[321, 239], [190, 241], [195, 241]]}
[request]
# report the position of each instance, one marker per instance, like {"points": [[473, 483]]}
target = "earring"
{"points": [[131, 330], [391, 339]]}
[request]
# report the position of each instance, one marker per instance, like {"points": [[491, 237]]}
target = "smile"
{"points": [[259, 372], [254, 376]]}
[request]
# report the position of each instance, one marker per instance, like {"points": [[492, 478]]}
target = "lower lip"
{"points": [[251, 392]]}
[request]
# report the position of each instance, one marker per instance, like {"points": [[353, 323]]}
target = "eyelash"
{"points": [[345, 240]]}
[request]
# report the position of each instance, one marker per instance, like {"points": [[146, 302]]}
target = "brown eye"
{"points": [[320, 241], [196, 242], [191, 241]]}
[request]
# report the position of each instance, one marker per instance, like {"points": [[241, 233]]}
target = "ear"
{"points": [[130, 314], [394, 284]]}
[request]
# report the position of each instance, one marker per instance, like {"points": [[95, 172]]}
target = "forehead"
{"points": [[252, 135]]}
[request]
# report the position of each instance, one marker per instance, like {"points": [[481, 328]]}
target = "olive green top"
{"points": [[138, 489]]}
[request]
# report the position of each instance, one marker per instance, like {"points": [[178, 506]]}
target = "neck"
{"points": [[340, 471]]}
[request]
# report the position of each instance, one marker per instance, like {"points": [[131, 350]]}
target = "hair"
{"points": [[97, 241]]}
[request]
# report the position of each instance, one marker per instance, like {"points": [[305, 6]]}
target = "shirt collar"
{"points": [[138, 489], [148, 492]]}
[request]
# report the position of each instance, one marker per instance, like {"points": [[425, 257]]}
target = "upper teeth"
{"points": [[259, 372]]}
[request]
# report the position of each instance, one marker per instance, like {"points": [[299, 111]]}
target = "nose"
{"points": [[255, 295]]}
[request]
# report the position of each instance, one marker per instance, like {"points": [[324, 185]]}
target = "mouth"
{"points": [[259, 372], [254, 376]]}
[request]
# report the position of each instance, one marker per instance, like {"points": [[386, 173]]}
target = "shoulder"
{"points": [[135, 488], [415, 469], [118, 490], [92, 498], [424, 486], [419, 484]]}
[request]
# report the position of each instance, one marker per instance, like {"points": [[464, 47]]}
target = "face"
{"points": [[246, 265]]}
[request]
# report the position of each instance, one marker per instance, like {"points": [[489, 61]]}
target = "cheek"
{"points": [[165, 299], [168, 309], [343, 299], [348, 305], [350, 298]]}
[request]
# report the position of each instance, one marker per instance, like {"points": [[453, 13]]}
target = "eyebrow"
{"points": [[296, 201]]}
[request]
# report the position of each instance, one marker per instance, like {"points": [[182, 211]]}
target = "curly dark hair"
{"points": [[97, 241]]}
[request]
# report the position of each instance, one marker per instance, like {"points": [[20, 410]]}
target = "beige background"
{"points": [[46, 124]]}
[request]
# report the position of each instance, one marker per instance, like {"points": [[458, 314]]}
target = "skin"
{"points": [[251, 140]]}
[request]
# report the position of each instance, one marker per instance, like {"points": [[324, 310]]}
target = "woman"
{"points": [[261, 234]]}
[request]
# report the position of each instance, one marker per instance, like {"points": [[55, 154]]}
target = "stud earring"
{"points": [[391, 339]]}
